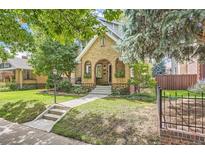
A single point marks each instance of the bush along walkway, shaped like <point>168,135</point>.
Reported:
<point>56,112</point>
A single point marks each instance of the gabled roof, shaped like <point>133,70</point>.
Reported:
<point>105,23</point>
<point>18,63</point>
<point>114,34</point>
<point>90,43</point>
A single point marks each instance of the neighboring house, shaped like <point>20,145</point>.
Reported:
<point>99,62</point>
<point>190,67</point>
<point>19,71</point>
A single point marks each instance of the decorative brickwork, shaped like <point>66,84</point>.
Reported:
<point>171,136</point>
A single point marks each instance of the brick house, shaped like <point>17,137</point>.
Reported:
<point>99,62</point>
<point>19,71</point>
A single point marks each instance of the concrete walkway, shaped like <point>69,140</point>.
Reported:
<point>83,100</point>
<point>12,133</point>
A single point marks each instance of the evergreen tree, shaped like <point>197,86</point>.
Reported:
<point>158,68</point>
<point>160,33</point>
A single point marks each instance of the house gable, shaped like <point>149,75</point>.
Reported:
<point>97,51</point>
<point>93,41</point>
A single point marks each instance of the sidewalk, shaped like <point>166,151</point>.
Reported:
<point>13,133</point>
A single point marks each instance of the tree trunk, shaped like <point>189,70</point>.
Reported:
<point>138,90</point>
<point>68,75</point>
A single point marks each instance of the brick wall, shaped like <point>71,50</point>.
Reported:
<point>97,53</point>
<point>171,136</point>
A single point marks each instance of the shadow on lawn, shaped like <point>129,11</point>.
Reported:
<point>97,129</point>
<point>21,111</point>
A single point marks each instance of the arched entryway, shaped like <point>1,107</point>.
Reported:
<point>103,72</point>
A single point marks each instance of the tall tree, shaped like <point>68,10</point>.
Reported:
<point>52,54</point>
<point>160,33</point>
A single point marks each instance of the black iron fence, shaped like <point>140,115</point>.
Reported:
<point>182,112</point>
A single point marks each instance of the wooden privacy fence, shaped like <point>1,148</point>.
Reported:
<point>176,82</point>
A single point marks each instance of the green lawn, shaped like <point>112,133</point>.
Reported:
<point>179,93</point>
<point>23,106</point>
<point>111,121</point>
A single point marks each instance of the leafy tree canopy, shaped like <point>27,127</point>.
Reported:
<point>52,54</point>
<point>59,25</point>
<point>159,33</point>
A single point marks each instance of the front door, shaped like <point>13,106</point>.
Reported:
<point>103,73</point>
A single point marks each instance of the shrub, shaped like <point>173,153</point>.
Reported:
<point>80,90</point>
<point>29,87</point>
<point>146,97</point>
<point>64,86</point>
<point>120,91</point>
<point>12,86</point>
<point>142,76</point>
<point>4,89</point>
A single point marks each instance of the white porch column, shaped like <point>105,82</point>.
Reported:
<point>21,78</point>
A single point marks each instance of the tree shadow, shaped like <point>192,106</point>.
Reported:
<point>97,129</point>
<point>21,111</point>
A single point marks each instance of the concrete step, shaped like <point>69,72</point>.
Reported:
<point>56,111</point>
<point>61,107</point>
<point>103,93</point>
<point>49,116</point>
<point>101,90</point>
<point>42,124</point>
<point>103,86</point>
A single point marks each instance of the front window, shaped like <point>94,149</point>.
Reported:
<point>27,75</point>
<point>87,69</point>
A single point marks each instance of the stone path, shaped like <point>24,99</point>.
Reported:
<point>13,133</point>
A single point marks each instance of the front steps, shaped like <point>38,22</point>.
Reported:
<point>46,120</point>
<point>102,90</point>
